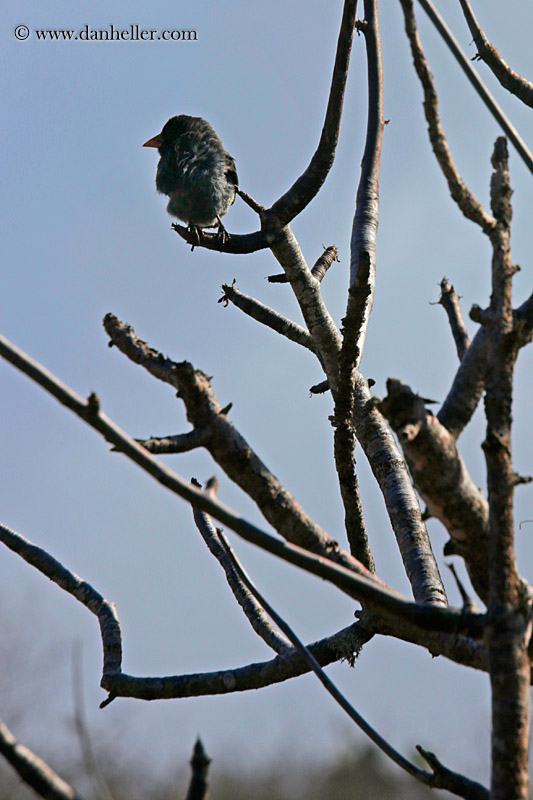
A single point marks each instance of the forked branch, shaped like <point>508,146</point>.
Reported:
<point>509,79</point>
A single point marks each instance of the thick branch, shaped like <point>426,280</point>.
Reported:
<point>403,508</point>
<point>442,479</point>
<point>508,608</point>
<point>509,79</point>
<point>253,676</point>
<point>307,292</point>
<point>237,243</point>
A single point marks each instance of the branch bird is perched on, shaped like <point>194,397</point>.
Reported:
<point>196,173</point>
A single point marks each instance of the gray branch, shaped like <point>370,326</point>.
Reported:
<point>253,611</point>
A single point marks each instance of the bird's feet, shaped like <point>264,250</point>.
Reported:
<point>196,233</point>
<point>222,234</point>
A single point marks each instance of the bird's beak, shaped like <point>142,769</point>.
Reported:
<point>155,141</point>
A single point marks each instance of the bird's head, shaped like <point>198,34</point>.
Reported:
<point>170,132</point>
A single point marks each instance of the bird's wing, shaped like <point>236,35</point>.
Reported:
<point>231,170</point>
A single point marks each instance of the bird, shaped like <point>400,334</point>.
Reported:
<point>195,172</point>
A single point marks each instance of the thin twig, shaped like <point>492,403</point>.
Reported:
<point>176,443</point>
<point>267,316</point>
<point>449,300</point>
<point>253,611</point>
<point>249,200</point>
<point>467,202</point>
<point>522,149</point>
<point>308,184</point>
<point>318,270</point>
<point>509,79</point>
<point>33,770</point>
<point>468,603</point>
<point>90,761</point>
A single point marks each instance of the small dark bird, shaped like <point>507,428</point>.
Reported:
<point>196,173</point>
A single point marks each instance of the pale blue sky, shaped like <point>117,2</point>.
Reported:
<point>85,233</point>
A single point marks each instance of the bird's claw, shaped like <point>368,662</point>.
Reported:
<point>222,234</point>
<point>196,232</point>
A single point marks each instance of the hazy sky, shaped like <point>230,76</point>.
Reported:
<point>85,233</point>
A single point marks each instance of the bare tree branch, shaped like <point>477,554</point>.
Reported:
<point>308,184</point>
<point>443,778</point>
<point>468,603</point>
<point>449,300</point>
<point>508,608</point>
<point>403,508</point>
<point>198,787</point>
<point>447,779</point>
<point>371,431</point>
<point>509,79</point>
<point>304,189</point>
<point>467,202</point>
<point>236,243</point>
<point>78,588</point>
<point>307,292</point>
<point>360,294</point>
<point>176,443</point>
<point>442,479</point>
<point>267,316</point>
<point>341,645</point>
<point>477,83</point>
<point>344,437</point>
<point>469,383</point>
<point>223,441</point>
<point>366,217</point>
<point>253,611</point>
<point>318,270</point>
<point>33,770</point>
